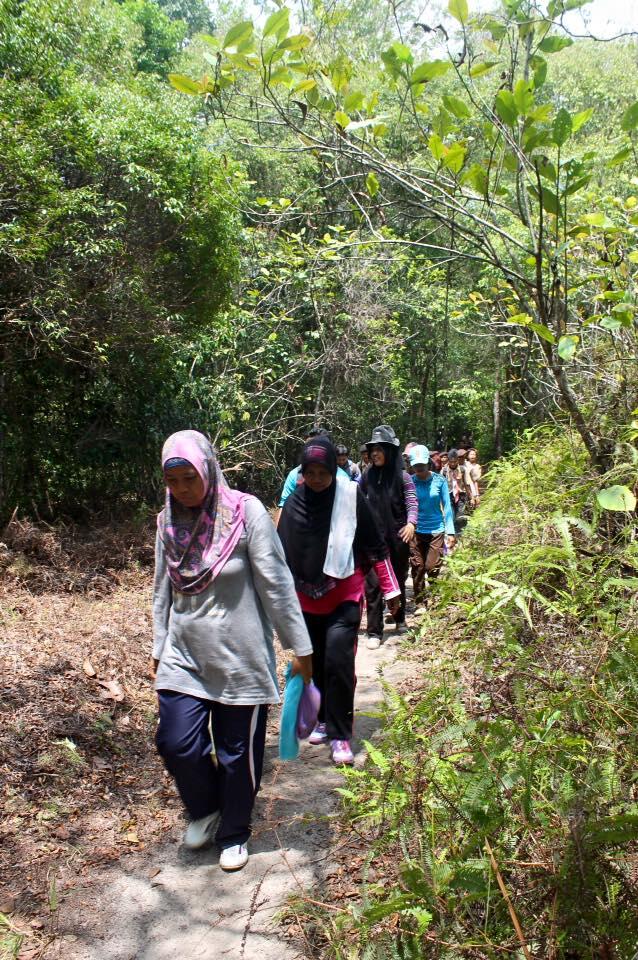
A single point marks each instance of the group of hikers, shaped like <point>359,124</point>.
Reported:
<point>227,577</point>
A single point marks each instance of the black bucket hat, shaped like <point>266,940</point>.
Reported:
<point>384,434</point>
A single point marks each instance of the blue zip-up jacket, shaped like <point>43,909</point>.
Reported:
<point>435,507</point>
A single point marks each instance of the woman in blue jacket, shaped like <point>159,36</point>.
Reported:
<point>435,520</point>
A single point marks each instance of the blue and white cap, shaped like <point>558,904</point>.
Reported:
<point>419,454</point>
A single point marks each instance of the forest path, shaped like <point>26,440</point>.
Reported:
<point>179,904</point>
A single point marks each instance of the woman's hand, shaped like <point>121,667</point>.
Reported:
<point>450,541</point>
<point>152,667</point>
<point>407,532</point>
<point>303,665</point>
<point>393,605</point>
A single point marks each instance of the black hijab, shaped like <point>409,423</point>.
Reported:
<point>304,526</point>
<point>383,486</point>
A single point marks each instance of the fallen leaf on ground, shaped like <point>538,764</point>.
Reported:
<point>88,668</point>
<point>7,903</point>
<point>112,690</point>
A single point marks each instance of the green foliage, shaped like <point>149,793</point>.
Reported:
<point>522,735</point>
<point>515,141</point>
<point>117,241</point>
<point>161,36</point>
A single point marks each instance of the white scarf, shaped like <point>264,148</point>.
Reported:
<point>339,562</point>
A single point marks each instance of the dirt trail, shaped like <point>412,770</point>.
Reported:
<point>174,903</point>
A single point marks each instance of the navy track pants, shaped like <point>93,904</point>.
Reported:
<point>228,781</point>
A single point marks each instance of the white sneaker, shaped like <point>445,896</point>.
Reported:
<point>200,832</point>
<point>318,735</point>
<point>373,642</point>
<point>234,858</point>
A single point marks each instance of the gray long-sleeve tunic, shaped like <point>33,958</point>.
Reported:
<point>218,644</point>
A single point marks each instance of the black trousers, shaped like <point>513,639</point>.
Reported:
<point>460,514</point>
<point>334,644</point>
<point>400,560</point>
<point>228,785</point>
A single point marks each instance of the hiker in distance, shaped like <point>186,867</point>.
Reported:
<point>390,492</point>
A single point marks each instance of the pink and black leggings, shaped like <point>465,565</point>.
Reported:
<point>334,644</point>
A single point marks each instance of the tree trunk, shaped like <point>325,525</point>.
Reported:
<point>498,425</point>
<point>599,456</point>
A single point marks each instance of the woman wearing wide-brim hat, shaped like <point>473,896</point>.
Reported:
<point>392,495</point>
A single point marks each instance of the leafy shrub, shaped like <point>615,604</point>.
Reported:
<point>502,802</point>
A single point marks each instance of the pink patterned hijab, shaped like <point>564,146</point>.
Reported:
<point>199,540</point>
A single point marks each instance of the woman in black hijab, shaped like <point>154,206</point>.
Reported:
<point>331,538</point>
<point>391,493</point>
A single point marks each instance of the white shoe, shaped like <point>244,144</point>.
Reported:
<point>373,642</point>
<point>234,858</point>
<point>200,832</point>
<point>318,735</point>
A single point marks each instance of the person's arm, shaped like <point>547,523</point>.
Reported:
<point>412,508</point>
<point>273,582</point>
<point>289,487</point>
<point>448,513</point>
<point>162,602</point>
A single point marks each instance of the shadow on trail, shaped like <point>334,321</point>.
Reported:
<point>177,903</point>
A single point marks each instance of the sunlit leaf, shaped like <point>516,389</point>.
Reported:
<point>456,106</point>
<point>237,34</point>
<point>436,146</point>
<point>458,9</point>
<point>304,85</point>
<point>623,154</point>
<point>562,129</point>
<point>185,84</point>
<point>618,498</point>
<point>524,97</point>
<point>277,22</point>
<point>543,332</point>
<point>297,42</point>
<point>567,347</point>
<point>454,157</point>
<point>630,117</point>
<point>477,178</point>
<point>428,71</point>
<point>539,66</point>
<point>505,107</point>
<point>354,101</point>
<point>580,119</point>
<point>480,68</point>
<point>372,184</point>
<point>554,43</point>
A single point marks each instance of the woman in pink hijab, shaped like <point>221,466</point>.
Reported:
<point>221,585</point>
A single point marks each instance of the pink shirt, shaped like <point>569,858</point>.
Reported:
<point>351,590</point>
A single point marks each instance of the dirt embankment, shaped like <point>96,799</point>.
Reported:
<point>80,785</point>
